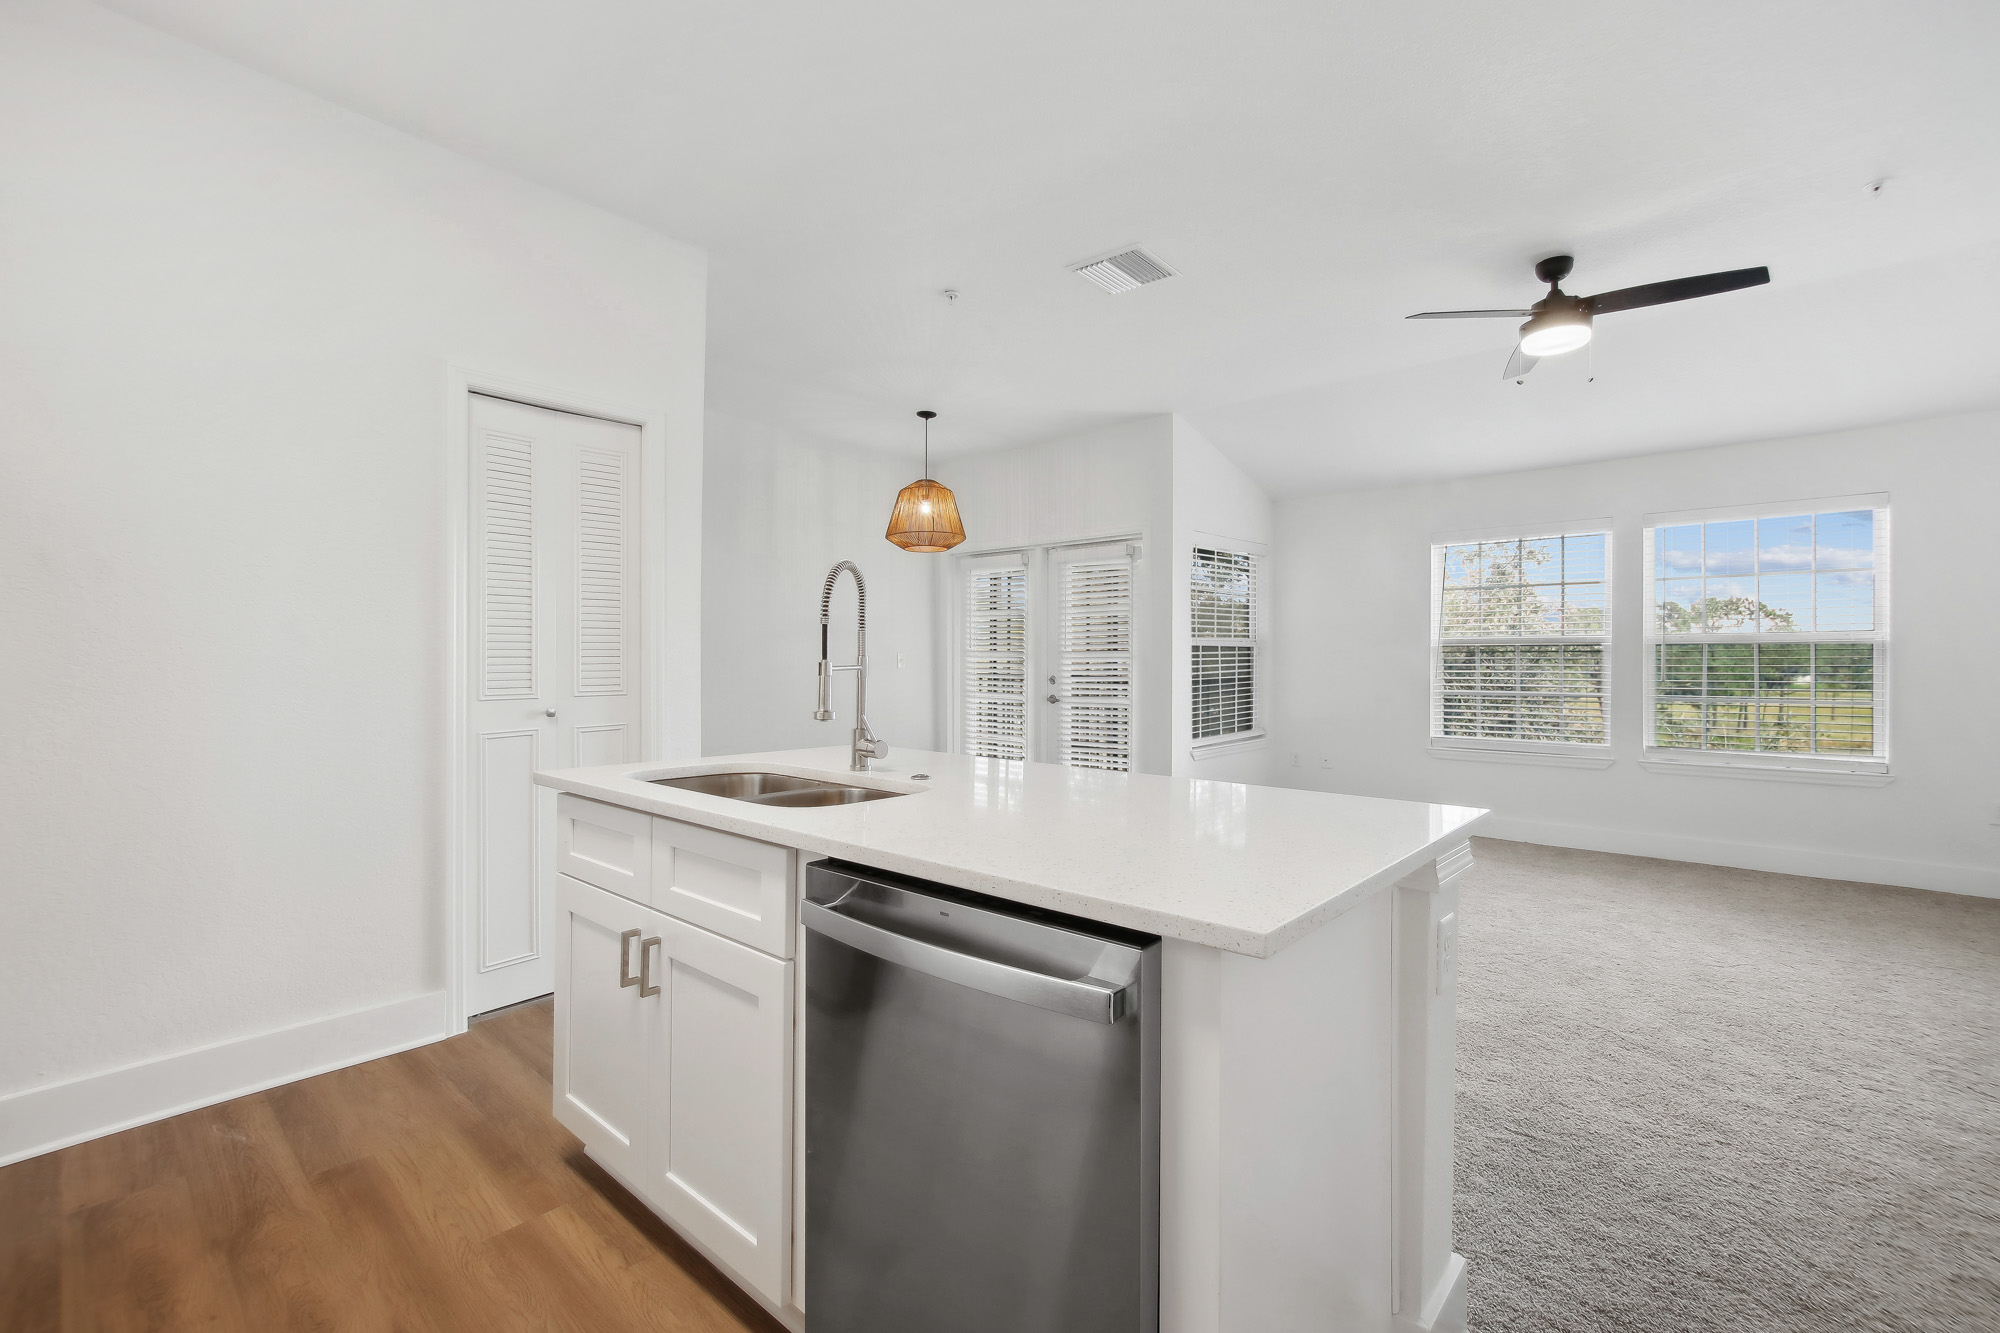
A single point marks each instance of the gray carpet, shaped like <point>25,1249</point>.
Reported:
<point>1699,1099</point>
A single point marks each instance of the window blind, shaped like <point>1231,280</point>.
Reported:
<point>1094,637</point>
<point>1768,634</point>
<point>995,662</point>
<point>1223,611</point>
<point>1521,627</point>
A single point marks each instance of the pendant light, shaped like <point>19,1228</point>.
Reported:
<point>926,514</point>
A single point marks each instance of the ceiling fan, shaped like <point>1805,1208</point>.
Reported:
<point>1560,322</point>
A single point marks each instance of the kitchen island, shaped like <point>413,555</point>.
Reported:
<point>1306,1015</point>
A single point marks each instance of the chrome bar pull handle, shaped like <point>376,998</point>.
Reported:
<point>1099,999</point>
<point>647,987</point>
<point>625,977</point>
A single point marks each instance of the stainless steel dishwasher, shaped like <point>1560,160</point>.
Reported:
<point>982,1114</point>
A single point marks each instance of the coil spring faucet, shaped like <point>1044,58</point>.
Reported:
<point>867,745</point>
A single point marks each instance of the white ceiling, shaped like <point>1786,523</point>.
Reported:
<point>1316,171</point>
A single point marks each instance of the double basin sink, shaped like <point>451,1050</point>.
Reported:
<point>775,789</point>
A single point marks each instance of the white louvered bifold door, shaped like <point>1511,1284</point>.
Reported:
<point>1093,631</point>
<point>603,583</point>
<point>553,644</point>
<point>993,675</point>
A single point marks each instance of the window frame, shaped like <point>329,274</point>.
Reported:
<point>1258,733</point>
<point>1590,753</point>
<point>1770,763</point>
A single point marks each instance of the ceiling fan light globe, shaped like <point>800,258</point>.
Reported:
<point>1555,341</point>
<point>1554,332</point>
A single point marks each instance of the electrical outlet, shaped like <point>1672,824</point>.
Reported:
<point>1325,761</point>
<point>1447,951</point>
<point>1295,759</point>
<point>899,660</point>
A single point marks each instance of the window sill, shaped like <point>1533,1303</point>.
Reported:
<point>1228,745</point>
<point>1547,758</point>
<point>1826,777</point>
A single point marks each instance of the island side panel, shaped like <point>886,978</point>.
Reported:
<point>1190,1138</point>
<point>1430,1295</point>
<point>1306,1138</point>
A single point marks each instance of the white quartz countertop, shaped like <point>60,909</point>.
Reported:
<point>1225,864</point>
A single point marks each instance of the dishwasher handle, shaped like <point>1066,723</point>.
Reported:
<point>1089,998</point>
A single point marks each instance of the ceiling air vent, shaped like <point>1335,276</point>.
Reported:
<point>1124,271</point>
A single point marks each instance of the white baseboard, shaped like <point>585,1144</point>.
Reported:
<point>40,1120</point>
<point>1445,1309</point>
<point>1940,877</point>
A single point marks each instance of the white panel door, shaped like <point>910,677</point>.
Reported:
<point>554,665</point>
<point>720,1157</point>
<point>609,971</point>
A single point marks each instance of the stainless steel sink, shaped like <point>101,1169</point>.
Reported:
<point>775,789</point>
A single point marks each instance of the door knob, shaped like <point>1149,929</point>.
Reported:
<point>549,712</point>
<point>1055,698</point>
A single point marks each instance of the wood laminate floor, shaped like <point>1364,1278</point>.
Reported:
<point>429,1191</point>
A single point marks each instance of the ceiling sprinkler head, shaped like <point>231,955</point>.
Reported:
<point>949,294</point>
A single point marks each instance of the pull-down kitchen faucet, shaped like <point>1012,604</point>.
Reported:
<point>867,745</point>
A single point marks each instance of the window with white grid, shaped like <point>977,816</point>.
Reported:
<point>1768,635</point>
<point>1521,630</point>
<point>1224,620</point>
<point>994,666</point>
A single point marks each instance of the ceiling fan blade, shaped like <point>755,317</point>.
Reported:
<point>1472,314</point>
<point>1519,364</point>
<point>1680,289</point>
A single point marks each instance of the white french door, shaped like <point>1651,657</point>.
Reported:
<point>1046,655</point>
<point>1091,646</point>
<point>993,709</point>
<point>554,665</point>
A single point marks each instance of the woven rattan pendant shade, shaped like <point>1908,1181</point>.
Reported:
<point>926,514</point>
<point>925,518</point>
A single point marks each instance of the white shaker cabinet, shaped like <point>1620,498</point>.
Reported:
<point>675,1071</point>
<point>604,1023</point>
<point>719,1148</point>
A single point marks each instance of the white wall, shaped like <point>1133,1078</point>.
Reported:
<point>1215,501</point>
<point>779,511</point>
<point>1110,482</point>
<point>226,313</point>
<point>1353,650</point>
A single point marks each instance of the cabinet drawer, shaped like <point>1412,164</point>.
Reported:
<point>605,845</point>
<point>737,887</point>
